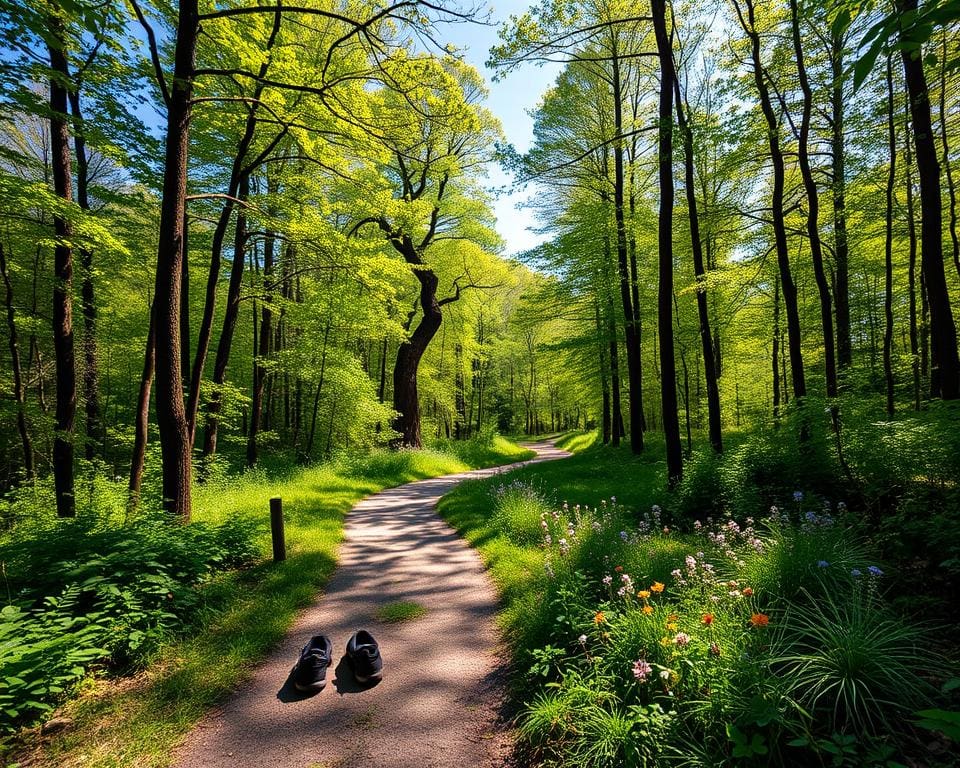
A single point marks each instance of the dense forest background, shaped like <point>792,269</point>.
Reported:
<point>335,190</point>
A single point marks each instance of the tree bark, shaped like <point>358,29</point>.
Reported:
<point>230,315</point>
<point>943,331</point>
<point>947,167</point>
<point>91,385</point>
<point>841,243</point>
<point>813,211</point>
<point>175,435</point>
<point>787,284</point>
<point>406,398</point>
<point>19,395</point>
<point>888,246</point>
<point>262,352</point>
<point>912,262</point>
<point>668,367</point>
<point>631,335</point>
<point>703,309</point>
<point>63,279</point>
<point>142,423</point>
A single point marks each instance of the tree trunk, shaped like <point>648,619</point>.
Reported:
<point>813,212</point>
<point>406,398</point>
<point>615,400</point>
<point>261,353</point>
<point>912,263</point>
<point>230,315</point>
<point>91,386</point>
<point>943,331</point>
<point>776,349</point>
<point>951,188</point>
<point>839,187</point>
<point>63,280</point>
<point>19,395</point>
<point>142,423</point>
<point>787,284</point>
<point>604,382</point>
<point>175,434</point>
<point>888,247</point>
<point>703,310</point>
<point>631,335</point>
<point>668,367</point>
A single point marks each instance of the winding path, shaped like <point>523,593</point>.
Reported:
<point>439,701</point>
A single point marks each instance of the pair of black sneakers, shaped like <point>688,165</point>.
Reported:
<point>363,656</point>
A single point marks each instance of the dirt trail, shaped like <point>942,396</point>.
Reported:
<point>439,700</point>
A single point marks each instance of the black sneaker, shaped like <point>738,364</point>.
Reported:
<point>363,655</point>
<point>309,676</point>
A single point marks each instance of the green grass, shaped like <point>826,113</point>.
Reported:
<point>397,613</point>
<point>138,721</point>
<point>593,474</point>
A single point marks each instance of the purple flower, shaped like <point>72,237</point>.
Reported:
<point>856,572</point>
<point>608,580</point>
<point>822,564</point>
<point>874,571</point>
<point>798,496</point>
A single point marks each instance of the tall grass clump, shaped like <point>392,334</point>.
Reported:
<point>766,641</point>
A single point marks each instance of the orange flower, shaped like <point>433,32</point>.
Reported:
<point>643,594</point>
<point>647,609</point>
<point>707,619</point>
<point>759,619</point>
<point>619,569</point>
<point>598,617</point>
<point>747,591</point>
<point>673,617</point>
<point>656,587</point>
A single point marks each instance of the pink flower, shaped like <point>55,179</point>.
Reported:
<point>681,639</point>
<point>641,670</point>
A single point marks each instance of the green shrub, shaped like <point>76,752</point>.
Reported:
<point>82,592</point>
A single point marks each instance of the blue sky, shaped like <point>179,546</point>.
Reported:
<point>509,100</point>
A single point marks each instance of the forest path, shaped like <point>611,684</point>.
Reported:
<point>439,701</point>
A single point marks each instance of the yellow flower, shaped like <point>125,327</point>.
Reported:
<point>598,618</point>
<point>656,587</point>
<point>672,626</point>
<point>647,609</point>
<point>643,594</point>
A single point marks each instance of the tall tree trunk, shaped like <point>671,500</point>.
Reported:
<point>316,397</point>
<point>616,413</point>
<point>787,284</point>
<point>841,244</point>
<point>631,334</point>
<point>63,279</point>
<point>604,380</point>
<point>668,367</point>
<point>261,353</point>
<point>912,263</point>
<point>703,309</point>
<point>813,212</point>
<point>19,394</point>
<point>91,386</point>
<point>951,188</point>
<point>142,423</point>
<point>888,246</point>
<point>230,315</point>
<point>943,331</point>
<point>239,172</point>
<point>175,434</point>
<point>776,349</point>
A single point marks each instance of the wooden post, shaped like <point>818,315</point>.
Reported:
<point>276,529</point>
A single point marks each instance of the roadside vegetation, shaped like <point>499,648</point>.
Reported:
<point>758,615</point>
<point>140,625</point>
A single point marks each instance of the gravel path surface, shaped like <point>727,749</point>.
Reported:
<point>439,700</point>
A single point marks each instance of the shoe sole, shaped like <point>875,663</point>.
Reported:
<point>378,676</point>
<point>312,688</point>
